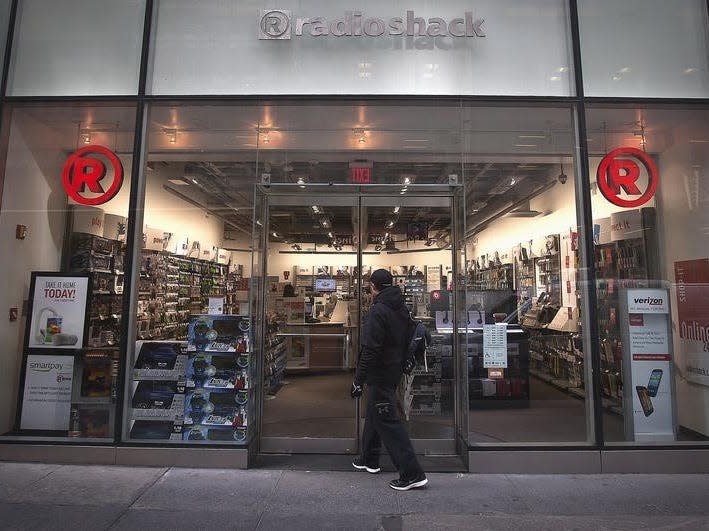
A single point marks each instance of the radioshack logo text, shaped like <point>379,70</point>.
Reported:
<point>279,24</point>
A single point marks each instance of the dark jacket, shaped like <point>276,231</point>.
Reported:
<point>384,340</point>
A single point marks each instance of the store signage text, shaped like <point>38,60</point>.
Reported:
<point>278,24</point>
<point>619,172</point>
<point>85,170</point>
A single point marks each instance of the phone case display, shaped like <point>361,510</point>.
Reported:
<point>194,390</point>
<point>548,270</point>
<point>526,283</point>
<point>103,258</point>
<point>493,277</point>
<point>172,287</point>
<point>510,386</point>
<point>413,287</point>
<point>276,351</point>
<point>558,359</point>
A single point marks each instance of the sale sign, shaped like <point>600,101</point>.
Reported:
<point>692,292</point>
<point>58,311</point>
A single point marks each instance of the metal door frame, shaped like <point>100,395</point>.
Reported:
<point>352,196</point>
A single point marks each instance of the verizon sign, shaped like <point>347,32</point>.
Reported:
<point>278,24</point>
<point>648,301</point>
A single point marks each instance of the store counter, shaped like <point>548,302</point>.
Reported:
<point>318,346</point>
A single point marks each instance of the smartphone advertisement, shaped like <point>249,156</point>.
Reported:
<point>649,356</point>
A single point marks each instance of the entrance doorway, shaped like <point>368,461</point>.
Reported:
<point>319,247</point>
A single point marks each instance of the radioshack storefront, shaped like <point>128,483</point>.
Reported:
<point>194,197</point>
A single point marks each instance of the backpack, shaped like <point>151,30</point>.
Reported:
<point>419,340</point>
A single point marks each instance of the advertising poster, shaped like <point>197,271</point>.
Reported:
<point>46,401</point>
<point>58,311</point>
<point>650,362</point>
<point>692,292</point>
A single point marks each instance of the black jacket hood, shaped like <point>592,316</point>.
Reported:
<point>391,296</point>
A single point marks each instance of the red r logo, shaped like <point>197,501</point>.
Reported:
<point>617,175</point>
<point>82,171</point>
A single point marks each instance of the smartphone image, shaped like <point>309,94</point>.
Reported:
<point>645,401</point>
<point>654,383</point>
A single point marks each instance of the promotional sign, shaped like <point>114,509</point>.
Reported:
<point>495,346</point>
<point>46,401</point>
<point>57,317</point>
<point>692,292</point>
<point>626,225</point>
<point>648,389</point>
<point>619,177</point>
<point>86,168</point>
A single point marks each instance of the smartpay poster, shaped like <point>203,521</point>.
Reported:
<point>46,400</point>
<point>58,311</point>
<point>692,292</point>
<point>650,361</point>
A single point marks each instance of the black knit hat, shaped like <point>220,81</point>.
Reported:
<point>381,279</point>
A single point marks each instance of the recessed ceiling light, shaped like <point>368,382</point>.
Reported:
<point>178,182</point>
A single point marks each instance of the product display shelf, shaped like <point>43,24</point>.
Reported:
<point>172,287</point>
<point>275,359</point>
<point>196,391</point>
<point>511,389</point>
<point>548,271</point>
<point>496,277</point>
<point>423,390</point>
<point>103,258</point>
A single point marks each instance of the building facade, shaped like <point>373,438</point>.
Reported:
<point>194,194</point>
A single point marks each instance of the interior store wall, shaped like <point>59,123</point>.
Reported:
<point>170,213</point>
<point>32,196</point>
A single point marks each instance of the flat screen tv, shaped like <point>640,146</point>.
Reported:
<point>324,285</point>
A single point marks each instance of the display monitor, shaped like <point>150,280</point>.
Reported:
<point>324,285</point>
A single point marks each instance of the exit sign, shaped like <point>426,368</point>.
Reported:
<point>361,175</point>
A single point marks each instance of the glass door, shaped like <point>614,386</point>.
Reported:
<point>412,237</point>
<point>310,330</point>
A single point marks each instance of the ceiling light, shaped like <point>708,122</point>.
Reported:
<point>526,145</point>
<point>513,181</point>
<point>532,136</point>
<point>396,210</point>
<point>259,223</point>
<point>275,234</point>
<point>195,181</point>
<point>407,180</point>
<point>390,224</point>
<point>178,182</point>
<point>316,209</point>
<point>386,236</point>
<point>555,78</point>
<point>296,247</point>
<point>330,235</point>
<point>688,71</point>
<point>301,182</point>
<point>326,223</point>
<point>171,135</point>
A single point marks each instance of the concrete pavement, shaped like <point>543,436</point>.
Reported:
<point>42,496</point>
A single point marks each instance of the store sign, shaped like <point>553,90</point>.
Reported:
<point>619,174</point>
<point>279,24</point>
<point>495,346</point>
<point>84,173</point>
<point>692,292</point>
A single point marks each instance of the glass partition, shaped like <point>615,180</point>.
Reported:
<point>72,48</point>
<point>65,206</point>
<point>649,182</point>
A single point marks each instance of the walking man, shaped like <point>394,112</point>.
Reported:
<point>385,339</point>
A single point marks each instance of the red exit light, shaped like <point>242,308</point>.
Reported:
<point>361,175</point>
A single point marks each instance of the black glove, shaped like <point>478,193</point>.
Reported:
<point>355,390</point>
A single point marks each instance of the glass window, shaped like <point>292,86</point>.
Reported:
<point>71,48</point>
<point>650,179</point>
<point>64,208</point>
<point>645,48</point>
<point>4,16</point>
<point>310,47</point>
<point>529,383</point>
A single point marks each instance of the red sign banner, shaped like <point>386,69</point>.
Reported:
<point>83,169</point>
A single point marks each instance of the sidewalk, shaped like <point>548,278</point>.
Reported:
<point>39,496</point>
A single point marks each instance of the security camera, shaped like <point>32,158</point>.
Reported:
<point>562,178</point>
